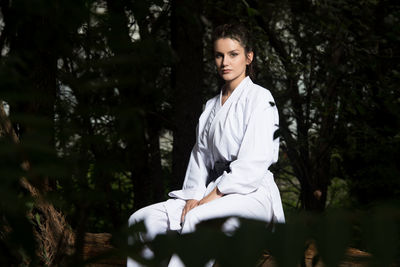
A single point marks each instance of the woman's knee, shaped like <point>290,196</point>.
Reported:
<point>150,214</point>
<point>132,219</point>
<point>137,216</point>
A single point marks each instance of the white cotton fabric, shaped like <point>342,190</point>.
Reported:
<point>158,219</point>
<point>240,131</point>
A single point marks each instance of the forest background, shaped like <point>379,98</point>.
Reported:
<point>104,98</point>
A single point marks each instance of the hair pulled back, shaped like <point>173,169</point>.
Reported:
<point>241,34</point>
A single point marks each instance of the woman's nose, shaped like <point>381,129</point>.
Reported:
<point>224,61</point>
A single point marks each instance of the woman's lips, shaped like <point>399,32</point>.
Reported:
<point>226,71</point>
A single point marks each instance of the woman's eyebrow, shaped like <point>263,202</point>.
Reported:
<point>234,50</point>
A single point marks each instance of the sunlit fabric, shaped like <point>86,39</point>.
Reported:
<point>241,131</point>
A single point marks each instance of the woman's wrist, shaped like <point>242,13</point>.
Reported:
<point>219,193</point>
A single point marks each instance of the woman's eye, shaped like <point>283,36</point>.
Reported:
<point>218,56</point>
<point>234,54</point>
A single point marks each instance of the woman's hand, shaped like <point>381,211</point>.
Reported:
<point>190,204</point>
<point>215,194</point>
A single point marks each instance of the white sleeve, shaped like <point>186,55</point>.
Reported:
<point>258,150</point>
<point>196,174</point>
<point>194,184</point>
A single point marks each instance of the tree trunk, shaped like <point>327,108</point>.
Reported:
<point>153,126</point>
<point>187,81</point>
<point>143,135</point>
<point>36,61</point>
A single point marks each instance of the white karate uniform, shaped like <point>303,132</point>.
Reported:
<point>240,131</point>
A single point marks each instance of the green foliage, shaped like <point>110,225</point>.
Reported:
<point>286,243</point>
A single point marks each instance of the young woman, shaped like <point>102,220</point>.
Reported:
<point>227,174</point>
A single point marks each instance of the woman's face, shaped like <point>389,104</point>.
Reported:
<point>231,60</point>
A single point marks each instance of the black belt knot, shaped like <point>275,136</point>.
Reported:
<point>218,170</point>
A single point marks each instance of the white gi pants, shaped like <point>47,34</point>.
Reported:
<point>158,220</point>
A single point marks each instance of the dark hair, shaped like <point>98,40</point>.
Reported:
<point>241,34</point>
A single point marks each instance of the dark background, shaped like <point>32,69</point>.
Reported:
<point>104,97</point>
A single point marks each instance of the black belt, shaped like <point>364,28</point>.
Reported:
<point>218,170</point>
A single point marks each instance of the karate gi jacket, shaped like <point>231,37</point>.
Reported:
<point>240,131</point>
